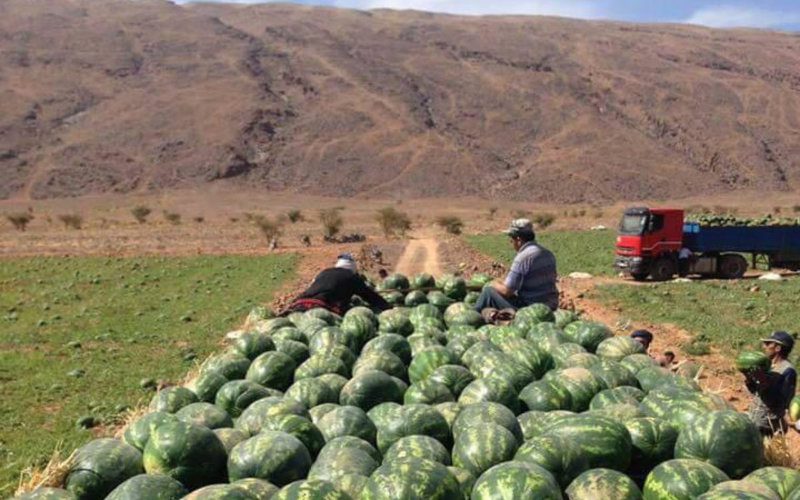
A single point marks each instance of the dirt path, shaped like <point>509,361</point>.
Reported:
<point>421,255</point>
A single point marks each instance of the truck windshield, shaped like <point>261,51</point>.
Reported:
<point>633,224</point>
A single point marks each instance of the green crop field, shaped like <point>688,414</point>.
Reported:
<point>77,336</point>
<point>583,251</point>
<point>725,314</point>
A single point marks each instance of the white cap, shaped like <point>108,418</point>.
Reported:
<point>346,262</point>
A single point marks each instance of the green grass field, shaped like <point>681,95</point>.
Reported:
<point>584,251</point>
<point>79,334</point>
<point>725,314</point>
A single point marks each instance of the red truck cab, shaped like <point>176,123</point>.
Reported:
<point>648,242</point>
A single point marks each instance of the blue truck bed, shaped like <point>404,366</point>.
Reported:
<point>756,239</point>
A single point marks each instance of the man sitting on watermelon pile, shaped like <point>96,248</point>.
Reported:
<point>772,389</point>
<point>531,279</point>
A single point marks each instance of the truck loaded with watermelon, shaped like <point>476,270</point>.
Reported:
<point>425,401</point>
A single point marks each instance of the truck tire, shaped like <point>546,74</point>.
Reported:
<point>731,266</point>
<point>663,269</point>
<point>639,276</point>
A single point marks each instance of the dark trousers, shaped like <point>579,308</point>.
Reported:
<point>491,298</point>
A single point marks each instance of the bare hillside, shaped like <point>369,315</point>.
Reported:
<point>123,96</point>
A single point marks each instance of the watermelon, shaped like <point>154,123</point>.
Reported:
<point>320,411</point>
<point>545,396</point>
<point>440,300</point>
<point>394,298</point>
<point>614,374</point>
<point>191,454</point>
<point>334,381</point>
<point>421,342</point>
<point>558,455</point>
<point>383,361</point>
<point>525,353</point>
<point>296,350</point>
<point>471,298</point>
<point>334,463</point>
<point>252,419</point>
<point>681,478</point>
<point>172,399</point>
<point>603,483</point>
<point>230,365</point>
<point>274,456</point>
<point>481,413</point>
<point>325,315</point>
<point>588,334</point>
<point>100,466</point>
<point>604,442</point>
<point>621,412</point>
<point>272,369</point>
<point>147,487</point>
<point>465,479</point>
<point>453,287</point>
<point>219,491</point>
<point>396,344</point>
<point>412,420</point>
<point>349,443</point>
<point>635,362</point>
<point>319,364</point>
<point>253,344</point>
<point>257,488</point>
<point>331,336</point>
<point>46,493</point>
<point>360,327</point>
<point>479,280</point>
<point>737,490</point>
<point>339,351</point>
<point>535,313</point>
<point>428,360</point>
<point>533,422</point>
<point>499,335</point>
<point>272,325</point>
<point>582,360</point>
<point>236,395</point>
<point>361,311</point>
<point>396,281</point>
<point>370,388</point>
<point>651,377</point>
<point>393,321</point>
<point>493,389</point>
<point>546,336</point>
<point>726,439</point>
<point>299,427</point>
<point>562,352</point>
<point>468,317</point>
<point>206,385</point>
<point>417,447</point>
<point>581,384</point>
<point>617,395</point>
<point>653,442</point>
<point>563,317</point>
<point>428,392</point>
<point>617,348</point>
<point>454,377</point>
<point>290,333</point>
<point>513,480</point>
<point>449,411</point>
<point>138,433</point>
<point>459,345</point>
<point>310,488</point>
<point>347,421</point>
<point>230,437</point>
<point>781,480</point>
<point>415,298</point>
<point>312,392</point>
<point>411,478</point>
<point>679,405</point>
<point>477,448</point>
<point>748,361</point>
<point>423,280</point>
<point>205,414</point>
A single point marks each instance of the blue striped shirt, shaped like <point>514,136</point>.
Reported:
<point>533,275</point>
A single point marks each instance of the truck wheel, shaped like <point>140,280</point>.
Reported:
<point>663,269</point>
<point>639,276</point>
<point>731,267</point>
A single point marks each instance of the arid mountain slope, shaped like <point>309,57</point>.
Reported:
<point>122,96</point>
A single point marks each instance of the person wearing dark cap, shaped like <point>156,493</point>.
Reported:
<point>645,338</point>
<point>531,279</point>
<point>773,391</point>
<point>333,288</point>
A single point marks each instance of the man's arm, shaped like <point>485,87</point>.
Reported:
<point>371,296</point>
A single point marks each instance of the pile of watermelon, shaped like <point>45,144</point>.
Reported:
<point>425,401</point>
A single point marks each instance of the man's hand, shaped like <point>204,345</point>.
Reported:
<point>502,289</point>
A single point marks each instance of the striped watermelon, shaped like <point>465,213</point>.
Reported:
<point>581,384</point>
<point>191,454</point>
<point>312,392</point>
<point>206,385</point>
<point>252,419</point>
<point>736,490</point>
<point>653,442</point>
<point>614,374</point>
<point>396,344</point>
<point>454,377</point>
<point>603,441</point>
<point>563,317</point>
<point>348,443</point>
<point>102,465</point>
<point>236,395</point>
<point>621,412</point>
<point>320,364</point>
<point>420,342</point>
<point>417,447</point>
<point>138,433</point>
<point>562,352</point>
<point>308,489</point>
<point>558,455</point>
<point>218,491</point>
<point>290,333</point>
<point>603,483</point>
<point>230,437</point>
<point>581,359</point>
<point>781,480</point>
<point>415,298</point>
<point>478,414</point>
<point>383,361</point>
<point>296,350</point>
<point>617,395</point>
<point>478,448</point>
<point>726,439</point>
<point>411,478</point>
<point>752,360</point>
<point>617,348</point>
<point>412,420</point>
<point>449,411</point>
<point>205,414</point>
<point>429,360</point>
<point>533,423</point>
<point>635,362</point>
<point>272,369</point>
<point>257,488</point>
<point>330,336</point>
<point>230,365</point>
<point>528,355</point>
<point>370,388</point>
<point>253,344</point>
<point>428,392</point>
<point>681,478</point>
<point>333,464</point>
<point>274,456</point>
<point>172,399</point>
<point>347,421</point>
<point>545,395</point>
<point>514,480</point>
<point>588,334</point>
<point>299,427</point>
<point>493,389</point>
<point>148,486</point>
<point>394,321</point>
<point>466,480</point>
<point>320,411</point>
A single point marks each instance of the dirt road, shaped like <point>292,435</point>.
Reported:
<point>421,255</point>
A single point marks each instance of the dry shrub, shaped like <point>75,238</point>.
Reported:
<point>271,229</point>
<point>544,220</point>
<point>393,222</point>
<point>332,221</point>
<point>20,220</point>
<point>53,475</point>
<point>71,221</point>
<point>140,213</point>
<point>295,215</point>
<point>199,220</point>
<point>450,223</point>
<point>172,217</point>
<point>776,451</point>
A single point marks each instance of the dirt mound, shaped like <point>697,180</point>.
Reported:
<point>119,96</point>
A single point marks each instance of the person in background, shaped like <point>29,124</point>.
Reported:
<point>645,338</point>
<point>333,288</point>
<point>773,390</point>
<point>684,260</point>
<point>531,279</point>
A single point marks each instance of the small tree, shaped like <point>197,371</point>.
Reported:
<point>544,220</point>
<point>199,219</point>
<point>172,217</point>
<point>271,229</point>
<point>332,221</point>
<point>450,223</point>
<point>295,215</point>
<point>393,222</point>
<point>73,221</point>
<point>140,213</point>
<point>20,220</point>
<point>492,212</point>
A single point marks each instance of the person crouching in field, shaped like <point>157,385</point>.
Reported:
<point>333,288</point>
<point>773,391</point>
<point>531,279</point>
